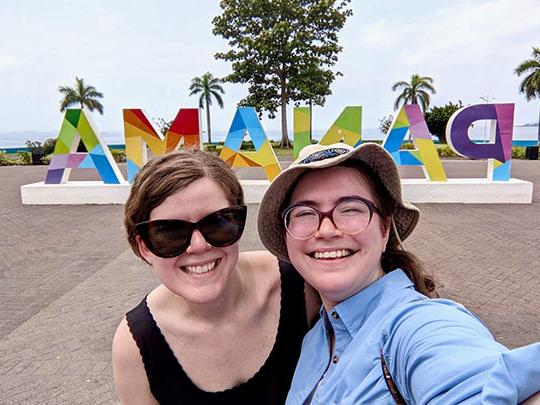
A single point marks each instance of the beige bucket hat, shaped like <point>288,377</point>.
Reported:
<point>270,222</point>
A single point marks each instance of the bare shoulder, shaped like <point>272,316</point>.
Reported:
<point>128,369</point>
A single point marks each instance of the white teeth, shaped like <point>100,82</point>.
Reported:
<point>332,254</point>
<point>201,269</point>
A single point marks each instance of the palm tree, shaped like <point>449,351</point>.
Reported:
<point>415,92</point>
<point>530,86</point>
<point>83,95</point>
<point>209,87</point>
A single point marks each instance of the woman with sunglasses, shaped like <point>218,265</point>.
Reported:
<point>222,327</point>
<point>338,216</point>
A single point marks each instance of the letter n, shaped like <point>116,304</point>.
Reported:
<point>410,119</point>
<point>77,126</point>
<point>246,121</point>
<point>139,133</point>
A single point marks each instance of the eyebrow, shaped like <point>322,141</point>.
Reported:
<point>336,202</point>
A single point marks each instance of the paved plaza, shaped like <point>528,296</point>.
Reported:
<point>67,276</point>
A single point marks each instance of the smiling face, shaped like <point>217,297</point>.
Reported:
<point>336,264</point>
<point>203,272</point>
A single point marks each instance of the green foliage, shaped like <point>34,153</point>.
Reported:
<point>84,96</point>
<point>45,160</point>
<point>518,152</point>
<point>209,87</point>
<point>437,118</point>
<point>385,122</point>
<point>408,145</point>
<point>214,148</point>
<point>24,158</point>
<point>21,158</point>
<point>446,152</point>
<point>283,49</point>
<point>46,148</point>
<point>119,155</point>
<point>530,86</point>
<point>5,160</point>
<point>35,146</point>
<point>247,146</point>
<point>163,125</point>
<point>415,92</point>
<point>49,145</point>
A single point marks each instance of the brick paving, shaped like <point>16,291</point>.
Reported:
<point>67,277</point>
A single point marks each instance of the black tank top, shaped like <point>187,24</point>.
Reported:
<point>170,384</point>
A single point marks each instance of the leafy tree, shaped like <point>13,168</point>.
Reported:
<point>530,86</point>
<point>415,92</point>
<point>208,87</point>
<point>85,96</point>
<point>283,49</point>
<point>385,122</point>
<point>438,117</point>
<point>163,125</point>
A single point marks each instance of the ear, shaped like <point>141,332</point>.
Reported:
<point>143,250</point>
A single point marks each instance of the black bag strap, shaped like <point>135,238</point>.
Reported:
<point>392,387</point>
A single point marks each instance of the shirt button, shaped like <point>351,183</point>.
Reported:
<point>335,315</point>
<point>335,359</point>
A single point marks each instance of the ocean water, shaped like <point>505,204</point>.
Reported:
<point>17,139</point>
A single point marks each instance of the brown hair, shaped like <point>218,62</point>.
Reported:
<point>394,257</point>
<point>163,176</point>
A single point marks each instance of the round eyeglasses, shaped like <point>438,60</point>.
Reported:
<point>351,215</point>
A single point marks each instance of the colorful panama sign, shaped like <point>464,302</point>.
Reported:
<point>140,134</point>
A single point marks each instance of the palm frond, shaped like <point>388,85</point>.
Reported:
<point>530,85</point>
<point>399,84</point>
<point>218,98</point>
<point>81,94</point>
<point>400,100</point>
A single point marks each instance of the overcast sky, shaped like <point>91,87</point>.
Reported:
<point>143,54</point>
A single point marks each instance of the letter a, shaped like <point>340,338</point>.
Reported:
<point>77,126</point>
<point>410,119</point>
<point>246,120</point>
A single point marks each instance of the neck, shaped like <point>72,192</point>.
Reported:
<point>329,303</point>
<point>218,310</point>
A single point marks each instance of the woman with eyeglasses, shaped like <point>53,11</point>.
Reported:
<point>383,337</point>
<point>222,327</point>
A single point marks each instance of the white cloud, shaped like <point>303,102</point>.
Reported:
<point>9,62</point>
<point>461,30</point>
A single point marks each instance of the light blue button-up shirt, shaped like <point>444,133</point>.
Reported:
<point>435,349</point>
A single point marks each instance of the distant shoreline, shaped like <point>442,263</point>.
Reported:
<point>17,139</point>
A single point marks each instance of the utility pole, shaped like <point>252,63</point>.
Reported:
<point>487,98</point>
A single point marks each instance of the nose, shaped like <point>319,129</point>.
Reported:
<point>327,229</point>
<point>197,244</point>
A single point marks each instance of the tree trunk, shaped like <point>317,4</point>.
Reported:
<point>310,121</point>
<point>208,121</point>
<point>285,142</point>
<point>539,127</point>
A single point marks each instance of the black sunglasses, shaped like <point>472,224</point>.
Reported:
<point>171,237</point>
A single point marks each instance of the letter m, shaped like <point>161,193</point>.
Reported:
<point>140,133</point>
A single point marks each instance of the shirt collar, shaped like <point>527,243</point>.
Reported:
<point>356,309</point>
